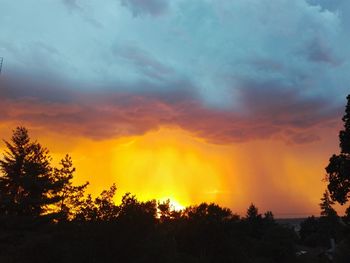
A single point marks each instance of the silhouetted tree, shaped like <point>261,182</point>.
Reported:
<point>106,208</point>
<point>27,186</point>
<point>71,197</point>
<point>347,215</point>
<point>269,216</point>
<point>269,219</point>
<point>253,222</point>
<point>135,212</point>
<point>338,169</point>
<point>326,206</point>
<point>344,135</point>
<point>102,208</point>
<point>205,230</point>
<point>208,212</point>
<point>167,211</point>
<point>252,213</point>
<point>87,210</point>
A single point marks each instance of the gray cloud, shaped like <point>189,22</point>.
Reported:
<point>146,7</point>
<point>213,47</point>
<point>284,105</point>
<point>327,4</point>
<point>319,52</point>
<point>72,4</point>
<point>144,62</point>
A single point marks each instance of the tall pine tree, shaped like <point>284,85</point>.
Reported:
<point>326,206</point>
<point>27,185</point>
<point>71,196</point>
<point>252,213</point>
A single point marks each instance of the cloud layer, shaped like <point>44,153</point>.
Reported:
<point>225,70</point>
<point>268,111</point>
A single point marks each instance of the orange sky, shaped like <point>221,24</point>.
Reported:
<point>178,99</point>
<point>172,163</point>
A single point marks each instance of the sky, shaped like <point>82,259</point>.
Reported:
<point>195,100</point>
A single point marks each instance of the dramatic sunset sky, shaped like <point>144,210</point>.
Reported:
<point>194,100</point>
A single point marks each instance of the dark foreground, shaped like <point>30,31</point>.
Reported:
<point>200,234</point>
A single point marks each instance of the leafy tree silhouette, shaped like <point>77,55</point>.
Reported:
<point>87,210</point>
<point>338,169</point>
<point>204,231</point>
<point>210,213</point>
<point>135,212</point>
<point>167,212</point>
<point>102,208</point>
<point>106,208</point>
<point>27,186</point>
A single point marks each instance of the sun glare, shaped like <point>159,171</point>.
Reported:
<point>174,204</point>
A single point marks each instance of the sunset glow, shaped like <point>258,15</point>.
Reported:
<point>179,99</point>
<point>171,163</point>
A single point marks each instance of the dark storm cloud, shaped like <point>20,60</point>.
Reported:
<point>270,111</point>
<point>43,87</point>
<point>283,104</point>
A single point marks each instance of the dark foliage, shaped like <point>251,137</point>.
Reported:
<point>344,135</point>
<point>338,169</point>
<point>71,197</point>
<point>346,217</point>
<point>204,233</point>
<point>338,175</point>
<point>100,209</point>
<point>317,232</point>
<point>27,185</point>
<point>326,206</point>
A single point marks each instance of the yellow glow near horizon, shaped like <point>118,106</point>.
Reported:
<point>171,163</point>
<point>164,164</point>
